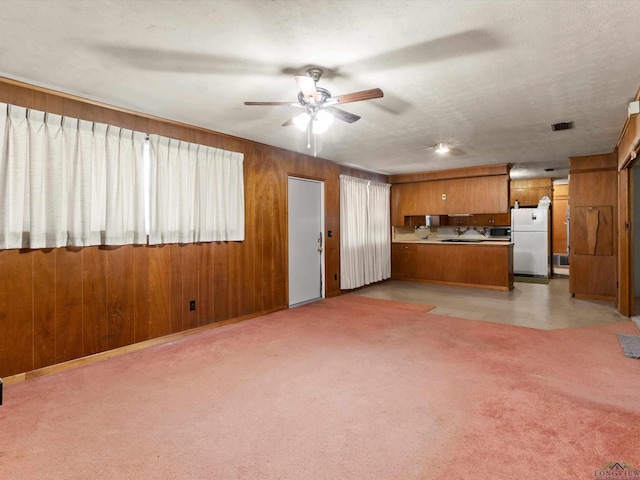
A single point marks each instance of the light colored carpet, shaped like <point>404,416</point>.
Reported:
<point>345,388</point>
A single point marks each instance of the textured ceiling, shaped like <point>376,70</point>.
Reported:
<point>489,77</point>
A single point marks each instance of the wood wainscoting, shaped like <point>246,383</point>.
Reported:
<point>66,303</point>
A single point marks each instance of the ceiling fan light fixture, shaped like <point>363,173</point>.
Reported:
<point>442,148</point>
<point>322,121</point>
<point>301,121</point>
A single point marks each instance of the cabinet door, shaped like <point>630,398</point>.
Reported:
<point>402,260</point>
<point>501,220</point>
<point>434,203</point>
<point>478,194</point>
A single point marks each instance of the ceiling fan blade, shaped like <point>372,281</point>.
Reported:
<point>307,86</point>
<point>359,96</point>
<point>284,104</point>
<point>342,115</point>
<point>289,122</point>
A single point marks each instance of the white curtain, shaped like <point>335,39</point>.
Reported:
<point>196,193</point>
<point>365,244</point>
<point>379,233</point>
<point>65,181</point>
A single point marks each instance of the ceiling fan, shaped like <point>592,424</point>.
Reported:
<point>319,106</point>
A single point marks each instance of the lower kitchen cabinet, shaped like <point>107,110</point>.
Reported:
<point>402,255</point>
<point>471,265</point>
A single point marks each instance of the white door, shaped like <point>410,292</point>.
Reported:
<point>306,242</point>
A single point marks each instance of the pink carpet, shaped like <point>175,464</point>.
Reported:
<point>346,388</point>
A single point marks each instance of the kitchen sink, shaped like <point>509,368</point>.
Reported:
<point>460,240</point>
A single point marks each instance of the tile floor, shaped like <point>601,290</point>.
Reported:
<point>545,307</point>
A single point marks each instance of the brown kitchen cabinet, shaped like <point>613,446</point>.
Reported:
<point>497,220</point>
<point>529,192</point>
<point>477,195</point>
<point>403,255</point>
<point>478,220</point>
<point>482,265</point>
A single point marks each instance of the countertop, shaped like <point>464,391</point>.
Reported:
<point>475,242</point>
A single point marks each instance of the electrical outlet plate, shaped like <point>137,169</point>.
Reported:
<point>192,305</point>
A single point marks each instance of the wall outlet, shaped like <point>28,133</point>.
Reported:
<point>192,305</point>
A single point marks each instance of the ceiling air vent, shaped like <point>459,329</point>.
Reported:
<point>562,126</point>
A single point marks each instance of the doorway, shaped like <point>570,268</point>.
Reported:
<point>306,240</point>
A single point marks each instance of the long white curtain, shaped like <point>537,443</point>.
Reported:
<point>365,244</point>
<point>65,181</point>
<point>197,193</point>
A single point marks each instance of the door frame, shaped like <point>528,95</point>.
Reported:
<point>323,283</point>
<point>625,298</point>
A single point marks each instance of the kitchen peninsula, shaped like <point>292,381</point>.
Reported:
<point>472,260</point>
<point>470,263</point>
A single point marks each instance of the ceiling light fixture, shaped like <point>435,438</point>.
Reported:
<point>442,148</point>
<point>320,121</point>
<point>314,121</point>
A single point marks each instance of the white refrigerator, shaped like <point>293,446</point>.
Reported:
<point>530,237</point>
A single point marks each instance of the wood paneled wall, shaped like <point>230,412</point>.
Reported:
<point>593,200</point>
<point>560,204</point>
<point>66,303</point>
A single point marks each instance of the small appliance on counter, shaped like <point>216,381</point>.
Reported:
<point>500,232</point>
<point>530,237</point>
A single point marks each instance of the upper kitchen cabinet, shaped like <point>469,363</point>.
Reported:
<point>477,190</point>
<point>529,192</point>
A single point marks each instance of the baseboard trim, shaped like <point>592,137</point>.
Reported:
<point>116,352</point>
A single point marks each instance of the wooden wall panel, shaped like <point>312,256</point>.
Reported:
<point>160,291</point>
<point>626,299</point>
<point>44,307</point>
<point>221,283</point>
<point>85,300</point>
<point>205,283</point>
<point>141,293</point>
<point>95,326</point>
<point>467,172</point>
<point>120,268</point>
<point>16,311</point>
<point>190,285</point>
<point>176,304</point>
<point>332,227</point>
<point>560,204</point>
<point>593,185</point>
<point>69,305</point>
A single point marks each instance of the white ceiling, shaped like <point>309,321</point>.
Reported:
<point>487,76</point>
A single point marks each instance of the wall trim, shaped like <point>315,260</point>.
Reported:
<point>134,347</point>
